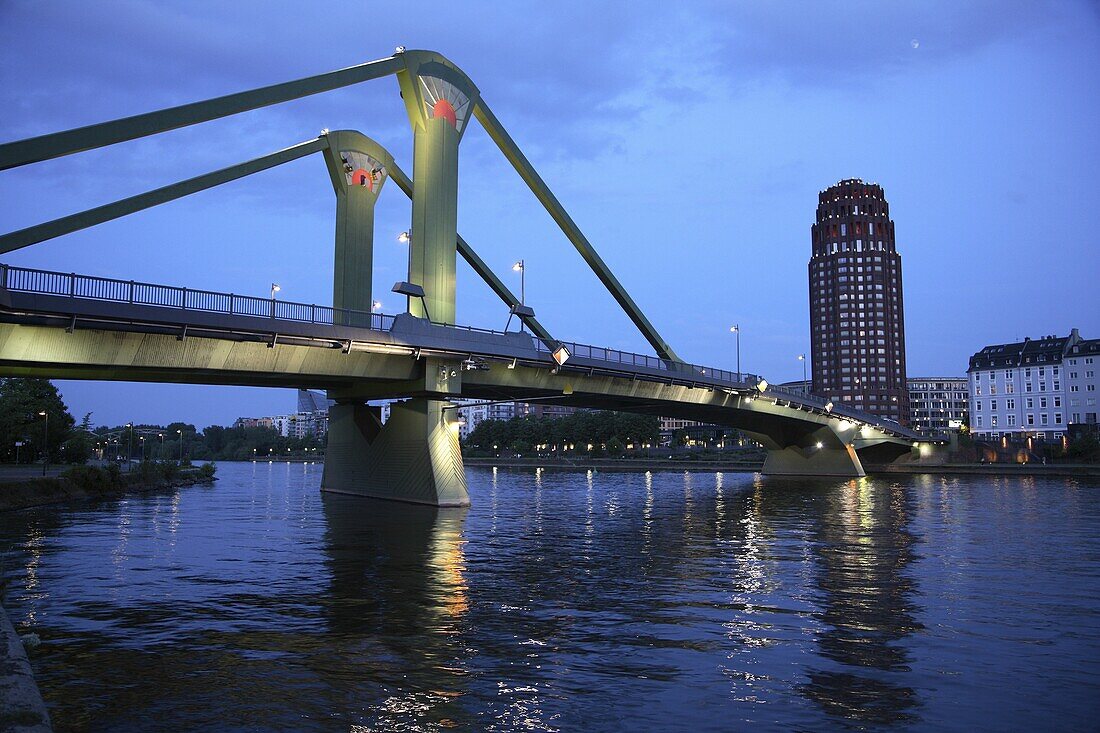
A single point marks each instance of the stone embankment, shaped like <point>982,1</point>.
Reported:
<point>21,707</point>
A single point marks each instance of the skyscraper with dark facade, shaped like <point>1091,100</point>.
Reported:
<point>857,322</point>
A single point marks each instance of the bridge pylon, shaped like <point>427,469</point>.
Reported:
<point>358,167</point>
<point>415,456</point>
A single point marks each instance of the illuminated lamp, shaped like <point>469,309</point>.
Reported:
<point>560,354</point>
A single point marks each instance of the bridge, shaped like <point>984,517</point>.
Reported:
<point>64,325</point>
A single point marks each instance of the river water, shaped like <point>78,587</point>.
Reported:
<point>568,601</point>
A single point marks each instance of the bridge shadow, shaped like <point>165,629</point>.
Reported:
<point>397,607</point>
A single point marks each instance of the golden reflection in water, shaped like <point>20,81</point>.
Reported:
<point>447,560</point>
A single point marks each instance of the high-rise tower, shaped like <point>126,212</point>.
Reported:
<point>857,322</point>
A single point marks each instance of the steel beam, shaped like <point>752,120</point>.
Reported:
<point>133,204</point>
<point>546,197</point>
<point>58,144</point>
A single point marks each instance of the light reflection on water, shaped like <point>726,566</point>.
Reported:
<point>568,601</point>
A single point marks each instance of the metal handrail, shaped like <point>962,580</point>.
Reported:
<point>23,279</point>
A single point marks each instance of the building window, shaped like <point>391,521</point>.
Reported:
<point>1030,419</point>
<point>1011,420</point>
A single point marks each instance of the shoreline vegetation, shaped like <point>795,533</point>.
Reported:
<point>84,483</point>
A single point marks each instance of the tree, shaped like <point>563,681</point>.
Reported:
<point>21,401</point>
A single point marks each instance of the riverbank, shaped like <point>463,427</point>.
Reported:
<point>615,464</point>
<point>664,464</point>
<point>89,483</point>
<point>22,709</point>
<point>990,469</point>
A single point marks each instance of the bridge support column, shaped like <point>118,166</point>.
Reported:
<point>414,457</point>
<point>813,461</point>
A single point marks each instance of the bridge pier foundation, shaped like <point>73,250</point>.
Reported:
<point>812,461</point>
<point>414,457</point>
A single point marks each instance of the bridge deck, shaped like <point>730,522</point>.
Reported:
<point>40,297</point>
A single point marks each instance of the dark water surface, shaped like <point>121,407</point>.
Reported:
<point>568,601</point>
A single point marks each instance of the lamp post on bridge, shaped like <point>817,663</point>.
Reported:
<point>130,447</point>
<point>274,289</point>
<point>736,330</point>
<point>521,268</point>
<point>802,358</point>
<point>180,433</point>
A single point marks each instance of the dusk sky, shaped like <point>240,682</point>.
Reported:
<point>688,140</point>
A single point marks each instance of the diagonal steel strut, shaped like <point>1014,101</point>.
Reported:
<point>107,212</point>
<point>546,197</point>
<point>58,144</point>
<point>483,270</point>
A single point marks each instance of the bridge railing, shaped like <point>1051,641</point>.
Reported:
<point>22,279</point>
<point>28,280</point>
<point>678,369</point>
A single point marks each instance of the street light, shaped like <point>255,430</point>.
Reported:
<point>802,358</point>
<point>45,440</point>
<point>130,447</point>
<point>141,439</point>
<point>411,290</point>
<point>376,306</point>
<point>403,237</point>
<point>274,289</point>
<point>522,270</point>
<point>736,330</point>
<point>180,433</point>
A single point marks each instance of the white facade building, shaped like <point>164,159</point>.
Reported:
<point>1024,390</point>
<point>1082,365</point>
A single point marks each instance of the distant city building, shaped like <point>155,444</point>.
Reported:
<point>669,425</point>
<point>253,422</point>
<point>857,323</point>
<point>937,404</point>
<point>1034,388</point>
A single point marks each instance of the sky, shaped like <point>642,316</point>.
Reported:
<point>688,140</point>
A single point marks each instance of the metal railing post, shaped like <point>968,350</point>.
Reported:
<point>72,284</point>
<point>231,304</point>
<point>183,298</point>
<point>131,291</point>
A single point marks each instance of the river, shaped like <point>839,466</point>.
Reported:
<point>571,601</point>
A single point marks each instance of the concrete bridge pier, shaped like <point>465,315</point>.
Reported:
<point>414,457</point>
<point>820,453</point>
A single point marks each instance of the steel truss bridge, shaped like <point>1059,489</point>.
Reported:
<point>64,325</point>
